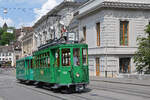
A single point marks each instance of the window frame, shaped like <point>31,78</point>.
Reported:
<point>67,57</point>
<point>123,33</point>
<point>86,56</point>
<point>84,32</point>
<point>98,33</point>
<point>78,56</point>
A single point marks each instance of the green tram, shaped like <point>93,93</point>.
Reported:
<point>24,69</point>
<point>63,66</point>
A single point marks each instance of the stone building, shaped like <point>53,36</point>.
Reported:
<point>17,44</point>
<point>6,56</point>
<point>51,25</point>
<point>27,41</point>
<point>110,28</point>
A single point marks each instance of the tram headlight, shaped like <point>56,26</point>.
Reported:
<point>78,75</point>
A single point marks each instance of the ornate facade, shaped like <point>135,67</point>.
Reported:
<point>27,41</point>
<point>52,24</point>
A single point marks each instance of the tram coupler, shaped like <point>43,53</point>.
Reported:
<point>80,88</point>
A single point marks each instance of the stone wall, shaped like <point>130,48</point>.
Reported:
<point>110,37</point>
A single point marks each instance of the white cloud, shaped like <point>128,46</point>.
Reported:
<point>27,1</point>
<point>47,6</point>
<point>8,21</point>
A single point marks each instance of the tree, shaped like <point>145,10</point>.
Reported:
<point>142,56</point>
<point>6,37</point>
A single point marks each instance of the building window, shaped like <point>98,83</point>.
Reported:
<point>124,33</point>
<point>124,65</point>
<point>98,33</point>
<point>9,54</point>
<point>84,32</point>
<point>3,54</point>
<point>97,66</point>
<point>9,59</point>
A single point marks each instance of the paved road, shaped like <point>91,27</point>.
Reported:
<point>10,89</point>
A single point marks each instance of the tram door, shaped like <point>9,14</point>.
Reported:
<point>97,67</point>
<point>56,65</point>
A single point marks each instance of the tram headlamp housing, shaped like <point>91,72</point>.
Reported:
<point>78,75</point>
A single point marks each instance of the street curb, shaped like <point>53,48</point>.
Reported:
<point>122,83</point>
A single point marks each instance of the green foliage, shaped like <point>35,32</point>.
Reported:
<point>5,37</point>
<point>142,56</point>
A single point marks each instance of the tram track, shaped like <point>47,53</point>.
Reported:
<point>42,92</point>
<point>122,91</point>
<point>125,89</point>
<point>54,94</point>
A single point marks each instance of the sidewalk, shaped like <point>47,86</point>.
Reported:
<point>122,81</point>
<point>8,71</point>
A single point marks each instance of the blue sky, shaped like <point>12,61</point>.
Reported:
<point>24,12</point>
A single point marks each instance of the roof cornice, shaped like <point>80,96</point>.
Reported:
<point>57,9</point>
<point>121,5</point>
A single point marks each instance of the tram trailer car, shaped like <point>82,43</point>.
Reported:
<point>24,69</point>
<point>64,66</point>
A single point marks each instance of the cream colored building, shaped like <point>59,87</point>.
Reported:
<point>7,56</point>
<point>27,41</point>
<point>49,27</point>
<point>110,28</point>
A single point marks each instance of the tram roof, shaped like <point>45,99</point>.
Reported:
<point>62,46</point>
<point>25,58</point>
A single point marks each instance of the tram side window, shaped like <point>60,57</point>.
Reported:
<point>38,61</point>
<point>31,63</point>
<point>76,57</point>
<point>66,57</point>
<point>84,56</point>
<point>28,64</point>
<point>57,58</point>
<point>47,59</point>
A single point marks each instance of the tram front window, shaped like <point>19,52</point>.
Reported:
<point>76,57</point>
<point>66,57</point>
<point>84,56</point>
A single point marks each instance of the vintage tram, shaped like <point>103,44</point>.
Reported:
<point>24,69</point>
<point>61,65</point>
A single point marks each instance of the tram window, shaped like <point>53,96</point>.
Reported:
<point>84,56</point>
<point>65,57</point>
<point>48,59</point>
<point>31,63</point>
<point>48,62</point>
<point>28,63</point>
<point>57,58</point>
<point>76,57</point>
